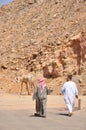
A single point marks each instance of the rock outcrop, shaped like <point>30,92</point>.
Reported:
<point>45,37</point>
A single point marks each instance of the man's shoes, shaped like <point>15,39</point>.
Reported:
<point>36,114</point>
<point>70,114</point>
<point>43,116</point>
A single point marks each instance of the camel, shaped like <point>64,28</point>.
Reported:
<point>28,80</point>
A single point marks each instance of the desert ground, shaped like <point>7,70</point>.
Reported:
<point>48,38</point>
<point>17,113</point>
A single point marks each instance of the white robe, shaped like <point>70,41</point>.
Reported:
<point>69,90</point>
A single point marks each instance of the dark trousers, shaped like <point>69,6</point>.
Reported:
<point>41,106</point>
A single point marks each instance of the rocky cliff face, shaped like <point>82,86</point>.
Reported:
<point>46,37</point>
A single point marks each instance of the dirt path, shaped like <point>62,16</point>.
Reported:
<point>16,113</point>
<point>9,101</point>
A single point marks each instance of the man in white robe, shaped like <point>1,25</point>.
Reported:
<point>70,91</point>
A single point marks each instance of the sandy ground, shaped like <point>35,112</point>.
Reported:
<point>16,113</point>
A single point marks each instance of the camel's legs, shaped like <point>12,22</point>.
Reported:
<point>21,87</point>
<point>27,88</point>
<point>32,84</point>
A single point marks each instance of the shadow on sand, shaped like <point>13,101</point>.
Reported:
<point>34,115</point>
<point>63,114</point>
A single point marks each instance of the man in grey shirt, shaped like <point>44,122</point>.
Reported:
<point>40,95</point>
